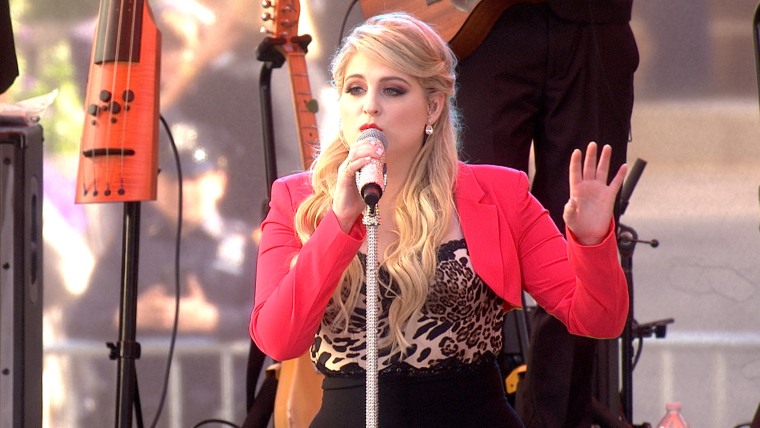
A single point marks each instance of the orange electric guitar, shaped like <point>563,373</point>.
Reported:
<point>299,385</point>
<point>118,160</point>
<point>463,23</point>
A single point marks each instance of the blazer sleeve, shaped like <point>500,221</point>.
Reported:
<point>294,282</point>
<point>600,304</point>
<point>583,286</point>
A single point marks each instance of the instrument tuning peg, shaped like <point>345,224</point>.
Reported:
<point>265,30</point>
<point>266,16</point>
<point>266,4</point>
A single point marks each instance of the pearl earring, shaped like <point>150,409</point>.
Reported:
<point>428,129</point>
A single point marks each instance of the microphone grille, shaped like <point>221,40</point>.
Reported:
<point>374,133</point>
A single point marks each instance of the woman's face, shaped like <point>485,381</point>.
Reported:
<point>389,99</point>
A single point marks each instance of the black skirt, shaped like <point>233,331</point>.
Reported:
<point>470,397</point>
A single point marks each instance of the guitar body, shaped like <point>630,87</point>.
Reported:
<point>118,159</point>
<point>464,27</point>
<point>299,393</point>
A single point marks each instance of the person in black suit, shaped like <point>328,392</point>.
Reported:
<point>548,78</point>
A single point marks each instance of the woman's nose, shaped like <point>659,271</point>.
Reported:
<point>370,106</point>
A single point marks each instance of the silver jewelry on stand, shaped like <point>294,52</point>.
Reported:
<point>372,220</point>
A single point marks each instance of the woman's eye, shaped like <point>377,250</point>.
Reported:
<point>393,91</point>
<point>354,90</point>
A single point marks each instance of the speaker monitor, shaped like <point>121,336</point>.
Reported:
<point>21,276</point>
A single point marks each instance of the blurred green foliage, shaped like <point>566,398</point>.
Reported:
<point>42,31</point>
<point>60,10</point>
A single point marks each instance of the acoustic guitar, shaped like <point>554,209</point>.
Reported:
<point>462,23</point>
<point>299,384</point>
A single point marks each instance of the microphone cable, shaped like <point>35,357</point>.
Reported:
<point>345,19</point>
<point>177,242</point>
<point>177,291</point>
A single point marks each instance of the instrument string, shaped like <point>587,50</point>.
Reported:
<point>127,94</point>
<point>100,37</point>
<point>112,89</point>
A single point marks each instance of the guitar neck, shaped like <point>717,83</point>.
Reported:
<point>305,107</point>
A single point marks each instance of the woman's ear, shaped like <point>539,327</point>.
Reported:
<point>435,106</point>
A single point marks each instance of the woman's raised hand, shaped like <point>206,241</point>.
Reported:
<point>589,210</point>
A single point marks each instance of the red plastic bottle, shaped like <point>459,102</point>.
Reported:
<point>673,417</point>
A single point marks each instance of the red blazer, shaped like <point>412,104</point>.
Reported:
<point>513,244</point>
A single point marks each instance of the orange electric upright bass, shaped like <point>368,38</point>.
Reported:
<point>118,157</point>
<point>118,154</point>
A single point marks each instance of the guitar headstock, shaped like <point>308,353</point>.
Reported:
<point>283,15</point>
<point>288,45</point>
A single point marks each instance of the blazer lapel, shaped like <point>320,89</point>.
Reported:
<point>480,225</point>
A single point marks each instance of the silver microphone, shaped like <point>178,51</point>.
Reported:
<point>370,180</point>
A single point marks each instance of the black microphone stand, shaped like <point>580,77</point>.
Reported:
<point>627,240</point>
<point>756,34</point>
<point>127,349</point>
<point>272,58</point>
<point>261,406</point>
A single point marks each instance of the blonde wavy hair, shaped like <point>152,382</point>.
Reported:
<point>426,202</point>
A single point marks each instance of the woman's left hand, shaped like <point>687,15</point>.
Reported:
<point>589,210</point>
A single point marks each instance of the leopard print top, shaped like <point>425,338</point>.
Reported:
<point>459,324</point>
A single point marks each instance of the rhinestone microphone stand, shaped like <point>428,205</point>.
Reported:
<point>371,221</point>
